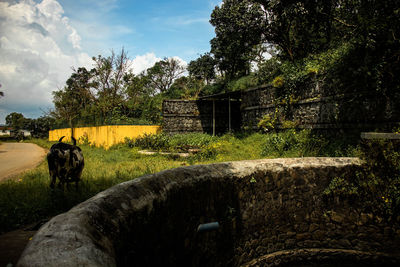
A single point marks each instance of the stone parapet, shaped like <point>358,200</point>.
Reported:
<point>262,207</point>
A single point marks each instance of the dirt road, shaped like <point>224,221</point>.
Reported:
<point>18,157</point>
<point>14,159</point>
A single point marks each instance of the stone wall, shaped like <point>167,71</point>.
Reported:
<point>317,109</point>
<point>184,116</point>
<point>313,108</point>
<point>270,212</point>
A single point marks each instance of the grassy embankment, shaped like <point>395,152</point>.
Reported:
<point>28,198</point>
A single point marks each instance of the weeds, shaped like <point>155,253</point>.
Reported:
<point>377,184</point>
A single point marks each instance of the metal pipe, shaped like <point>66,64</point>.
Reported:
<point>213,117</point>
<point>229,107</point>
<point>207,227</point>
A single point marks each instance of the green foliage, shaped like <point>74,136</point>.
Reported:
<point>342,188</point>
<point>15,120</point>
<point>162,75</point>
<point>267,123</point>
<point>111,94</point>
<point>203,68</point>
<point>185,88</point>
<point>242,83</point>
<point>238,29</point>
<point>155,142</point>
<point>377,185</point>
<point>293,143</point>
<point>175,143</point>
<point>298,28</point>
<point>38,127</point>
<point>278,82</point>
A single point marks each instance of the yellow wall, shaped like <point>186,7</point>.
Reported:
<point>104,136</point>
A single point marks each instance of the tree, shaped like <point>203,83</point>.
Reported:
<point>186,88</point>
<point>239,30</point>
<point>41,126</point>
<point>203,68</point>
<point>298,27</point>
<point>163,73</point>
<point>75,98</point>
<point>110,73</point>
<point>15,120</point>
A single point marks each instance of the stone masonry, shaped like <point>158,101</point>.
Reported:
<point>270,211</point>
<point>312,108</point>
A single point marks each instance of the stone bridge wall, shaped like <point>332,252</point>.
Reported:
<point>269,211</point>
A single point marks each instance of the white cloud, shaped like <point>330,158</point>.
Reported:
<point>143,62</point>
<point>38,48</point>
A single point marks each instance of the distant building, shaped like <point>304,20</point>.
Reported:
<point>4,130</point>
<point>9,131</point>
<point>26,133</point>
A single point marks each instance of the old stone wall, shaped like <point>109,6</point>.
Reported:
<point>313,108</point>
<point>185,116</point>
<point>317,109</point>
<point>270,211</point>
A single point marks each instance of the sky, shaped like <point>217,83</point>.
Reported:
<point>41,41</point>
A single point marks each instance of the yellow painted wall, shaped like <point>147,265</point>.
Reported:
<point>104,136</point>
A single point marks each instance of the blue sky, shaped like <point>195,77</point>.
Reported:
<point>42,40</point>
<point>167,28</point>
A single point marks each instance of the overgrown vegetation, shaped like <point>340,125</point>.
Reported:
<point>375,188</point>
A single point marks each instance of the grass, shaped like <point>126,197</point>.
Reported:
<point>28,198</point>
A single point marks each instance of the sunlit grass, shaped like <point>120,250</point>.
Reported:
<point>28,198</point>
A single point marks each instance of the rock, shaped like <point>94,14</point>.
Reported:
<point>313,227</point>
<point>336,217</point>
<point>303,236</point>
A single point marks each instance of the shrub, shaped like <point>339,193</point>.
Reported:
<point>176,143</point>
<point>267,123</point>
<point>278,82</point>
<point>377,185</point>
<point>298,144</point>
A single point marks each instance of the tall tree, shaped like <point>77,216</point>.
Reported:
<point>15,120</point>
<point>75,98</point>
<point>203,68</point>
<point>162,75</point>
<point>297,27</point>
<point>239,29</point>
<point>110,73</point>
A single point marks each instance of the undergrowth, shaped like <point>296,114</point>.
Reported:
<point>376,187</point>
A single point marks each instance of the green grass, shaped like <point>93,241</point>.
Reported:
<point>28,198</point>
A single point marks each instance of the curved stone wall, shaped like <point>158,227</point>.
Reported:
<point>263,207</point>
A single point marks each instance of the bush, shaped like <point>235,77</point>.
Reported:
<point>155,142</point>
<point>243,83</point>
<point>294,143</point>
<point>377,185</point>
<point>175,143</point>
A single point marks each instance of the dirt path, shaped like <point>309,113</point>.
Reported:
<point>14,159</point>
<point>18,157</point>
